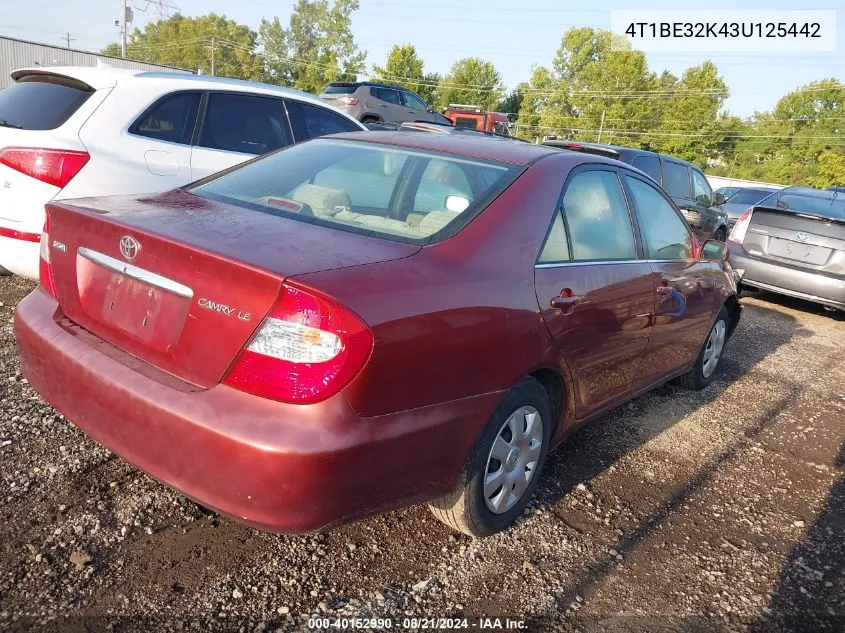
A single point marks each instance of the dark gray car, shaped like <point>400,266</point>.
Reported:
<point>743,199</point>
<point>379,103</point>
<point>793,243</point>
<point>683,181</point>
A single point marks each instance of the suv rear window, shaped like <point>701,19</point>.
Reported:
<point>340,89</point>
<point>41,102</point>
<point>390,192</point>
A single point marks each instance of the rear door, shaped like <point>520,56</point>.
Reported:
<point>236,127</point>
<point>388,105</point>
<point>685,290</point>
<point>595,292</point>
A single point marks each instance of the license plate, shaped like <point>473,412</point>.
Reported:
<point>807,253</point>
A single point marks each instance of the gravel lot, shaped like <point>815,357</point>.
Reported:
<point>710,511</point>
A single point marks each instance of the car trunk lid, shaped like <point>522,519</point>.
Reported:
<point>801,240</point>
<point>183,282</point>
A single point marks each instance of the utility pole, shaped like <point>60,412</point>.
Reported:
<point>212,56</point>
<point>601,125</point>
<point>68,39</point>
<point>125,17</point>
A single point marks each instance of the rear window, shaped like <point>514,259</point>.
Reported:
<point>41,102</point>
<point>676,179</point>
<point>823,204</point>
<point>340,90</point>
<point>749,196</point>
<point>391,192</point>
<point>650,165</point>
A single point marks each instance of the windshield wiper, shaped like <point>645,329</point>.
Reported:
<point>5,123</point>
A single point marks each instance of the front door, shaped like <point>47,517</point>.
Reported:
<point>595,293</point>
<point>417,109</point>
<point>685,286</point>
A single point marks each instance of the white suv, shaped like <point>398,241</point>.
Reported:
<point>68,132</point>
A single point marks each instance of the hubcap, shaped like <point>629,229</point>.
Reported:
<point>512,461</point>
<point>713,349</point>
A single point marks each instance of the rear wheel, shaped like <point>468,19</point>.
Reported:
<point>711,353</point>
<point>504,468</point>
<point>370,119</point>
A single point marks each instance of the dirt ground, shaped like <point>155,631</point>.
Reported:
<point>722,510</point>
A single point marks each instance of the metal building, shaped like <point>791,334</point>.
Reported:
<point>16,53</point>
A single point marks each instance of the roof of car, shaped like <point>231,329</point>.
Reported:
<point>483,146</point>
<point>104,76</point>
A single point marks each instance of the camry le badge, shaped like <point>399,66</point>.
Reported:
<point>129,247</point>
<point>802,237</point>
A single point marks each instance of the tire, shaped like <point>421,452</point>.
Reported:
<point>466,508</point>
<point>721,234</point>
<point>705,367</point>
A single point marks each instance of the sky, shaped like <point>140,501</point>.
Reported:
<point>513,35</point>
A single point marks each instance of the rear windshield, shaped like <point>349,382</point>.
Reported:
<point>825,204</point>
<point>391,192</point>
<point>750,196</point>
<point>41,102</point>
<point>340,90</point>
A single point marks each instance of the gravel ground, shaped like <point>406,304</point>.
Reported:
<point>722,510</point>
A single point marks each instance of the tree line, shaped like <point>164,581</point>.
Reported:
<point>590,92</point>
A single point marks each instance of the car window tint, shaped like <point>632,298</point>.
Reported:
<point>676,179</point>
<point>244,123</point>
<point>439,180</point>
<point>750,196</point>
<point>172,119</point>
<point>41,102</point>
<point>556,248</point>
<point>598,218</point>
<point>701,191</point>
<point>666,236</point>
<point>648,164</point>
<point>320,121</point>
<point>367,178</point>
<point>412,101</point>
<point>386,94</point>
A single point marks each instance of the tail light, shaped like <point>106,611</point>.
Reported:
<point>696,247</point>
<point>56,167</point>
<point>308,348</point>
<point>45,269</point>
<point>350,101</point>
<point>741,227</point>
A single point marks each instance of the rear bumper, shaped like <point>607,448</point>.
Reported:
<point>19,257</point>
<point>281,467</point>
<point>782,279</point>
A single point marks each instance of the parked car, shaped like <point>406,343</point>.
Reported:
<point>793,243</point>
<point>683,181</point>
<point>380,103</point>
<point>369,320</point>
<point>727,192</point>
<point>75,132</point>
<point>740,201</point>
<point>475,118</point>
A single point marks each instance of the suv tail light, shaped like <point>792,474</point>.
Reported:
<point>45,269</point>
<point>350,101</point>
<point>741,227</point>
<point>56,167</point>
<point>307,349</point>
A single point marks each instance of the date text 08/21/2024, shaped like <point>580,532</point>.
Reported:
<point>418,623</point>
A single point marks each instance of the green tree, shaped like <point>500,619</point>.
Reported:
<point>512,102</point>
<point>315,49</point>
<point>189,42</point>
<point>405,69</point>
<point>471,81</point>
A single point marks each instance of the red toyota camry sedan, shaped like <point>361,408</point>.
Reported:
<point>370,320</point>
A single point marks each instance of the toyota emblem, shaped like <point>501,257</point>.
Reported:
<point>802,237</point>
<point>129,247</point>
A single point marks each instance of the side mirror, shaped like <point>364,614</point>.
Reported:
<point>720,199</point>
<point>715,251</point>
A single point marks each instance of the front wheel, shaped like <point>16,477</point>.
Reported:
<point>711,353</point>
<point>504,468</point>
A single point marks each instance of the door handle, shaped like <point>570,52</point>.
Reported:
<point>566,300</point>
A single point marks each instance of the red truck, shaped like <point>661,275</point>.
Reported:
<point>474,117</point>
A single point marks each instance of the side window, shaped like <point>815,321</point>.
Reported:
<point>701,191</point>
<point>244,123</point>
<point>649,165</point>
<point>172,119</point>
<point>556,248</point>
<point>319,121</point>
<point>386,94</point>
<point>666,236</point>
<point>439,180</point>
<point>413,101</point>
<point>676,179</point>
<point>597,215</point>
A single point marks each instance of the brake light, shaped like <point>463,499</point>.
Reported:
<point>56,167</point>
<point>351,101</point>
<point>308,348</point>
<point>45,268</point>
<point>741,227</point>
<point>696,247</point>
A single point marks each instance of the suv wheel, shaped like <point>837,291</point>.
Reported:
<point>370,119</point>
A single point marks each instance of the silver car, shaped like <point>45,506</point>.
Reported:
<point>743,199</point>
<point>793,243</point>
